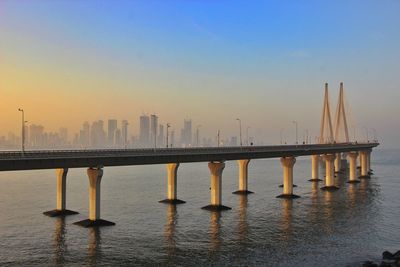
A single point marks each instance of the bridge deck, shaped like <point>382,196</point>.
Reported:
<point>52,159</point>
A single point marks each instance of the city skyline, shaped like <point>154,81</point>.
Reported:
<point>180,61</point>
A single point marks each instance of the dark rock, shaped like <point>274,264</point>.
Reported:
<point>369,264</point>
<point>386,255</point>
<point>172,201</point>
<point>94,223</point>
<point>397,255</point>
<point>388,263</point>
<point>216,207</point>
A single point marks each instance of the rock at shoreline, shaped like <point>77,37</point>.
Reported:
<point>397,255</point>
<point>386,255</point>
<point>369,264</point>
<point>388,260</point>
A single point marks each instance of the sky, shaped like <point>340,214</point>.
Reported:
<point>265,62</point>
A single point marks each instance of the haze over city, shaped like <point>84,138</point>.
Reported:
<point>210,62</point>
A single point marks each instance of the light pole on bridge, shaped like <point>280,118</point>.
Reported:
<point>218,138</point>
<point>281,135</point>
<point>297,141</point>
<point>247,135</point>
<point>366,131</point>
<point>22,130</point>
<point>168,125</point>
<point>197,134</point>
<point>240,130</point>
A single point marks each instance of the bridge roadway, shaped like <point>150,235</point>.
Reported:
<point>54,159</point>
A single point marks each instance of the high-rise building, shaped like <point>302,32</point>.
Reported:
<point>84,135</point>
<point>186,133</point>
<point>118,138</point>
<point>171,140</point>
<point>63,135</point>
<point>97,134</point>
<point>124,133</point>
<point>37,135</point>
<point>144,131</point>
<point>112,127</point>
<point>161,140</point>
<point>153,129</point>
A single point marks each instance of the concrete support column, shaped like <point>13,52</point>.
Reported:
<point>95,175</point>
<point>338,162</point>
<point>61,210</point>
<point>287,164</point>
<point>315,168</point>
<point>369,162</point>
<point>216,169</point>
<point>330,173</point>
<point>172,170</point>
<point>243,177</point>
<point>61,188</point>
<point>353,167</point>
<point>364,164</point>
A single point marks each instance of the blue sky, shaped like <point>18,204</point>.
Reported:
<point>212,61</point>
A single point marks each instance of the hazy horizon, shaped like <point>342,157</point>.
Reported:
<point>68,62</point>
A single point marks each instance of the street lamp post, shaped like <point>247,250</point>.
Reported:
<point>218,138</point>
<point>366,131</point>
<point>197,134</point>
<point>240,131</point>
<point>22,130</point>
<point>168,125</point>
<point>375,135</point>
<point>295,122</point>
<point>247,135</point>
<point>281,135</point>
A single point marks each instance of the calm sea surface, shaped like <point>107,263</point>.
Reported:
<point>342,228</point>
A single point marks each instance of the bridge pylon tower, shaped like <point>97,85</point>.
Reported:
<point>326,131</point>
<point>341,120</point>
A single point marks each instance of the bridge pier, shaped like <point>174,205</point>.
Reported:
<point>61,196</point>
<point>364,164</point>
<point>95,175</point>
<point>369,162</point>
<point>315,168</point>
<point>216,169</point>
<point>243,177</point>
<point>287,164</point>
<point>338,162</point>
<point>353,167</point>
<point>329,174</point>
<point>172,170</point>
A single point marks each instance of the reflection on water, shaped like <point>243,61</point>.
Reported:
<point>243,225</point>
<point>319,229</point>
<point>169,230</point>
<point>59,244</point>
<point>215,237</point>
<point>329,206</point>
<point>94,246</point>
<point>286,220</point>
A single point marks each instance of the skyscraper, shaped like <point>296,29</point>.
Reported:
<point>161,140</point>
<point>153,128</point>
<point>124,133</point>
<point>144,131</point>
<point>112,127</point>
<point>84,136</point>
<point>118,138</point>
<point>97,134</point>
<point>63,134</point>
<point>186,133</point>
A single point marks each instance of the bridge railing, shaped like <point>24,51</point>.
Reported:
<point>166,151</point>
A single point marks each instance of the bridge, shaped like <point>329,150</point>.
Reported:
<point>334,150</point>
<point>96,160</point>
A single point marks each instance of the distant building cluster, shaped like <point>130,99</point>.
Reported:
<point>114,134</point>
